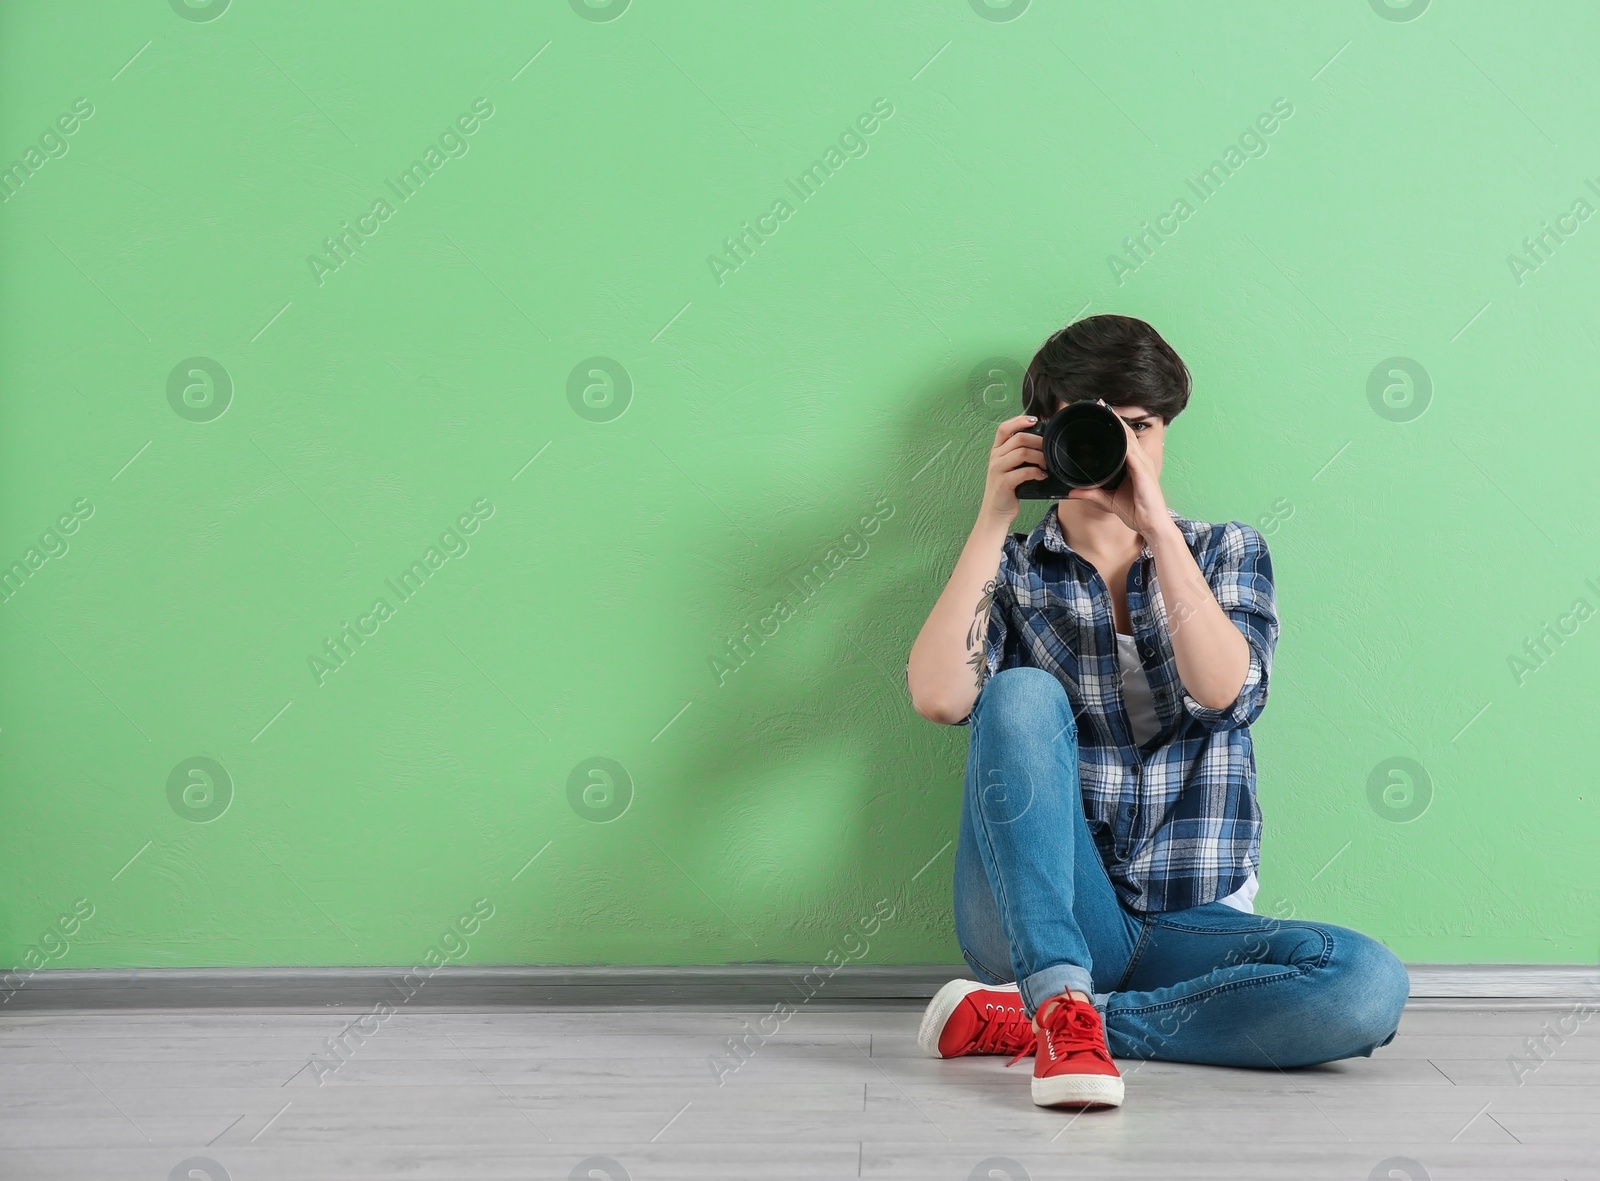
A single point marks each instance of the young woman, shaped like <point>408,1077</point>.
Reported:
<point>1110,664</point>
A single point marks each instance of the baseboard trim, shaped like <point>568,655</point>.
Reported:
<point>1554,982</point>
<point>455,986</point>
<point>740,984</point>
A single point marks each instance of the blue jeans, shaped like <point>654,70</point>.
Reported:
<point>1209,984</point>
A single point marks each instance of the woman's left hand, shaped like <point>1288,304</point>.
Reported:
<point>1138,500</point>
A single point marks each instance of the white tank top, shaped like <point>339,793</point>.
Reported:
<point>1141,706</point>
<point>1136,691</point>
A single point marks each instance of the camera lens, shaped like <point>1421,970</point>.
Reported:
<point>1087,446</point>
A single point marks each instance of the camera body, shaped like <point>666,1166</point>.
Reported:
<point>1085,446</point>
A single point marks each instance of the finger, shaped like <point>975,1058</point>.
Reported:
<point>1022,443</point>
<point>1016,461</point>
<point>1139,460</point>
<point>1010,460</point>
<point>1011,426</point>
<point>1022,474</point>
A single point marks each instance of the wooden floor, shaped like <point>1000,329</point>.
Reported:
<point>834,1092</point>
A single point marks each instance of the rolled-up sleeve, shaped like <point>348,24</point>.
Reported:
<point>1241,581</point>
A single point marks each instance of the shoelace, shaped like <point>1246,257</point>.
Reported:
<point>1005,1026</point>
<point>1073,1027</point>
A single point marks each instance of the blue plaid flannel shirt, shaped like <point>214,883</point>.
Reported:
<point>1176,821</point>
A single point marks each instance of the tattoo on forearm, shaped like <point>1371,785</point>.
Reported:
<point>979,633</point>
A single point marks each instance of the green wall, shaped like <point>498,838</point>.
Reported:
<point>1408,415</point>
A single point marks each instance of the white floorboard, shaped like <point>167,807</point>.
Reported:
<point>838,1092</point>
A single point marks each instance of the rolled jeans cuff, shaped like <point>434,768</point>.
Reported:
<point>1053,981</point>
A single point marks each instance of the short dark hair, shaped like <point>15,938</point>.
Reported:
<point>1118,358</point>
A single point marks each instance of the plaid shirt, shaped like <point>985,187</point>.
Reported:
<point>1175,821</point>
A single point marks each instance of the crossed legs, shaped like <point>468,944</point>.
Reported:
<point>1209,984</point>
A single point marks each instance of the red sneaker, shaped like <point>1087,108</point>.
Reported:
<point>1072,1067</point>
<point>966,1017</point>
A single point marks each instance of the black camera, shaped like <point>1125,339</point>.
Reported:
<point>1085,446</point>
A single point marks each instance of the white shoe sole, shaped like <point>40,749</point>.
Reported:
<point>1078,1090</point>
<point>944,1003</point>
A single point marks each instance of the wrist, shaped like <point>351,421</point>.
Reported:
<point>991,522</point>
<point>1163,535</point>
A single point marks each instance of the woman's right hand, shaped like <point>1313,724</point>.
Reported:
<point>1017,456</point>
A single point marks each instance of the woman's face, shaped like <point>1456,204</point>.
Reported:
<point>1148,429</point>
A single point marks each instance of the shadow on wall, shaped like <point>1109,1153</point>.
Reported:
<point>826,690</point>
